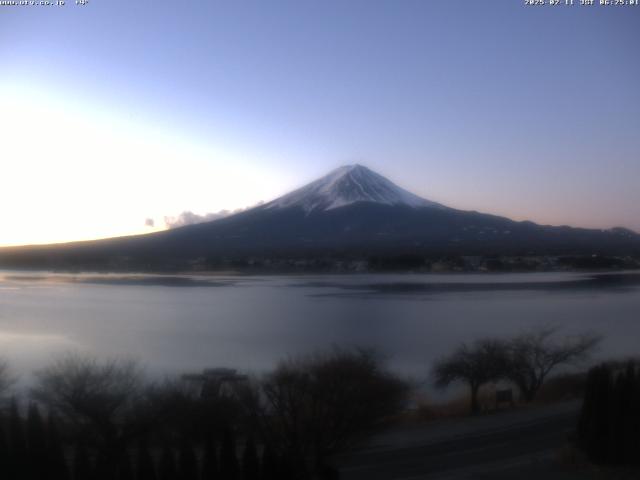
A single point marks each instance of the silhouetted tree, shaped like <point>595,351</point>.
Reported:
<point>322,404</point>
<point>532,357</point>
<point>477,364</point>
<point>36,444</point>
<point>228,457</point>
<point>168,469</point>
<point>210,461</point>
<point>269,464</point>
<point>125,470</point>
<point>609,425</point>
<point>5,454</point>
<point>591,409</point>
<point>328,472</point>
<point>250,461</point>
<point>625,444</point>
<point>18,465</point>
<point>57,464</point>
<point>187,462</point>
<point>632,425</point>
<point>107,464</point>
<point>195,407</point>
<point>97,399</point>
<point>145,467</point>
<point>82,464</point>
<point>287,470</point>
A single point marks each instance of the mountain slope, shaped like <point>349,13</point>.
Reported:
<point>352,212</point>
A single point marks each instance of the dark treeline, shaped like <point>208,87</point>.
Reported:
<point>90,419</point>
<point>33,449</point>
<point>609,425</point>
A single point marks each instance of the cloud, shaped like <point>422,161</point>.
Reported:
<point>190,218</point>
<point>149,222</point>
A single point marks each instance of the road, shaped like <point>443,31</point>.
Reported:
<point>478,449</point>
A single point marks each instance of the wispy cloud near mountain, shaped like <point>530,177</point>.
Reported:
<point>189,218</point>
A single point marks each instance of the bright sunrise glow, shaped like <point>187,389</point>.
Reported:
<point>72,173</point>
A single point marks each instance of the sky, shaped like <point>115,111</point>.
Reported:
<point>117,114</point>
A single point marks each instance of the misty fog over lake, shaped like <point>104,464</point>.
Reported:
<point>176,324</point>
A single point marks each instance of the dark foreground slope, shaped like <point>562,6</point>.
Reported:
<point>516,444</point>
<point>354,231</point>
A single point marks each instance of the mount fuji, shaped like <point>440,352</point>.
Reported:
<point>351,213</point>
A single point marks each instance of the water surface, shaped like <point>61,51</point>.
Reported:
<point>185,323</point>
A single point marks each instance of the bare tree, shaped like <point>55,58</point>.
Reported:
<point>101,399</point>
<point>533,355</point>
<point>192,410</point>
<point>482,362</point>
<point>318,405</point>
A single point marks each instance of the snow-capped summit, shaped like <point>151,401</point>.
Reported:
<point>347,185</point>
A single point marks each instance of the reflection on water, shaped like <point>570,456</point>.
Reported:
<point>178,323</point>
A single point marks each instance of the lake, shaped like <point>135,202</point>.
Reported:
<point>180,324</point>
